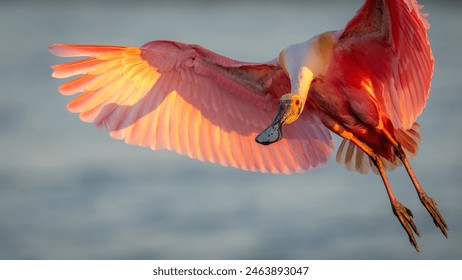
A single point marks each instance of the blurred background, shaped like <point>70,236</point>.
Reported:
<point>69,191</point>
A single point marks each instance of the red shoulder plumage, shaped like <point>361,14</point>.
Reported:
<point>403,63</point>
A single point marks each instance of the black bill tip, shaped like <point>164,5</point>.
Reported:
<point>273,132</point>
<point>270,135</point>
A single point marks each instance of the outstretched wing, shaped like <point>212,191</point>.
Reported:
<point>170,95</point>
<point>397,54</point>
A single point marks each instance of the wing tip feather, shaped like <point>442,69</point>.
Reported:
<point>72,50</point>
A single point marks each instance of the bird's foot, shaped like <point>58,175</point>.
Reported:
<point>430,204</point>
<point>404,216</point>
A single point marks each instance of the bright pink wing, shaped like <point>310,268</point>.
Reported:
<point>389,37</point>
<point>169,95</point>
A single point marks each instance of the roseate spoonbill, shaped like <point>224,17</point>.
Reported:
<point>367,83</point>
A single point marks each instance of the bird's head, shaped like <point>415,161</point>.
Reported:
<point>290,108</point>
<point>302,63</point>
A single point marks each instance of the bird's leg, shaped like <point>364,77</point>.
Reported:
<point>427,201</point>
<point>403,214</point>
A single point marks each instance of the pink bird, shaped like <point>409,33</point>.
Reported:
<point>367,83</point>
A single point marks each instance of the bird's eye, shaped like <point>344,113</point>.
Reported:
<point>297,102</point>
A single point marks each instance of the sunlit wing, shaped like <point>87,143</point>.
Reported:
<point>169,95</point>
<point>398,55</point>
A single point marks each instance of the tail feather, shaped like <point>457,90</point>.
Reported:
<point>409,140</point>
<point>355,159</point>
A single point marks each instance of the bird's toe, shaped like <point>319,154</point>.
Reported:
<point>430,205</point>
<point>404,216</point>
